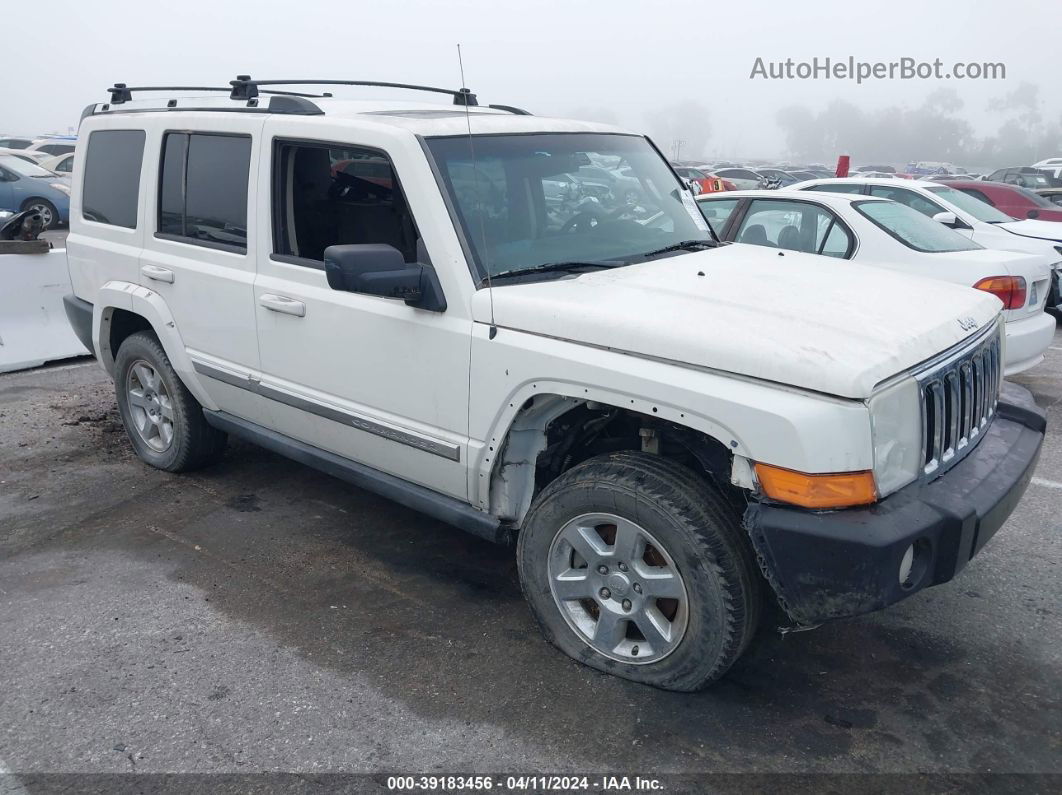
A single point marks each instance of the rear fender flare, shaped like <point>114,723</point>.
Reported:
<point>152,307</point>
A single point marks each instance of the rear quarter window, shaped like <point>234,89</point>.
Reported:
<point>111,186</point>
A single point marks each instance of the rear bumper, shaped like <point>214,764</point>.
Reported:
<point>1027,339</point>
<point>79,313</point>
<point>845,563</point>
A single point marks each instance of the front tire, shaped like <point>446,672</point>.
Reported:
<point>164,422</point>
<point>636,566</point>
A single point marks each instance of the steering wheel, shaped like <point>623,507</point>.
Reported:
<point>581,222</point>
<point>585,220</point>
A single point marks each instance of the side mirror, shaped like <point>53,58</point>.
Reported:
<point>950,220</point>
<point>1032,214</point>
<point>380,269</point>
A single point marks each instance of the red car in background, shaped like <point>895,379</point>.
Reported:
<point>708,183</point>
<point>1014,200</point>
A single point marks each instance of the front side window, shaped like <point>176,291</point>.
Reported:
<point>327,195</point>
<point>203,189</point>
<point>912,228</point>
<point>975,207</point>
<point>717,212</point>
<point>794,226</point>
<point>111,189</point>
<point>528,201</point>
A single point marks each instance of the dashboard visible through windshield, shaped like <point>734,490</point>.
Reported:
<point>532,201</point>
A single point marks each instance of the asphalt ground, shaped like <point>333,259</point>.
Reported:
<point>259,616</point>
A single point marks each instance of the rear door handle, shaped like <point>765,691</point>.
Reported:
<point>155,273</point>
<point>283,304</point>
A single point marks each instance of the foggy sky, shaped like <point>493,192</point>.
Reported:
<point>672,69</point>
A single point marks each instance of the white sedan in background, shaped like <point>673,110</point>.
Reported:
<point>59,164</point>
<point>886,234</point>
<point>960,211</point>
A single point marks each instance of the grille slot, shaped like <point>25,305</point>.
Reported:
<point>959,397</point>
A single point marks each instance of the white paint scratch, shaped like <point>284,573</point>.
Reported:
<point>1049,484</point>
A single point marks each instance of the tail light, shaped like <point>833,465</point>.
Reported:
<point>1008,289</point>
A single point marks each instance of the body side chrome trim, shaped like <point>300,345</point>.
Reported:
<point>447,450</point>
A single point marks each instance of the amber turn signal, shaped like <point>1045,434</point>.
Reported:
<point>838,490</point>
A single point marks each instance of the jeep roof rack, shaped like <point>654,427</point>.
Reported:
<point>294,102</point>
<point>121,93</point>
<point>244,87</point>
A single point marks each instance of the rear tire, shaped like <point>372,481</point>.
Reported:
<point>164,422</point>
<point>49,215</point>
<point>675,607</point>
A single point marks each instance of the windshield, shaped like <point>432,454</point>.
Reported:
<point>526,201</point>
<point>975,207</point>
<point>23,168</point>
<point>912,228</point>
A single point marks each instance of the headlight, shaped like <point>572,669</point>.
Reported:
<point>61,186</point>
<point>896,428</point>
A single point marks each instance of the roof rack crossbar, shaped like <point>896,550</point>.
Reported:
<point>243,87</point>
<point>121,93</point>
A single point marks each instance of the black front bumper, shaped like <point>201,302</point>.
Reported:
<point>843,563</point>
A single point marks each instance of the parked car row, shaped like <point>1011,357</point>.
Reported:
<point>34,174</point>
<point>48,144</point>
<point>27,186</point>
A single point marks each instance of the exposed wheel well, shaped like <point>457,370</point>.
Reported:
<point>551,434</point>
<point>123,324</point>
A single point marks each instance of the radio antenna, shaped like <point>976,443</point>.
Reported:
<point>475,188</point>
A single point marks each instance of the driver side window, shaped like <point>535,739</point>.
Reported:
<point>331,195</point>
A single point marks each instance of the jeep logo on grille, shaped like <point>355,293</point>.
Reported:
<point>967,323</point>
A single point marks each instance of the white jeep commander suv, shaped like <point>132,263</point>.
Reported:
<point>524,327</point>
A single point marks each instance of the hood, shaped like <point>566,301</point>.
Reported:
<point>1046,230</point>
<point>803,320</point>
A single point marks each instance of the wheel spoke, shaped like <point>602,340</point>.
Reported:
<point>165,431</point>
<point>136,398</point>
<point>661,583</point>
<point>610,629</point>
<point>587,543</point>
<point>630,545</point>
<point>655,628</point>
<point>572,585</point>
<point>143,375</point>
<point>166,407</point>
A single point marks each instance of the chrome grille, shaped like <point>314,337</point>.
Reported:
<point>959,395</point>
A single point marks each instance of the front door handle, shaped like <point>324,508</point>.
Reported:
<point>283,304</point>
<point>155,273</point>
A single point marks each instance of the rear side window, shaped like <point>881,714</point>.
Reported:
<point>837,187</point>
<point>203,189</point>
<point>913,229</point>
<point>111,187</point>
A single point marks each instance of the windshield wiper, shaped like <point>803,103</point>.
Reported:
<point>558,267</point>
<point>685,245</point>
